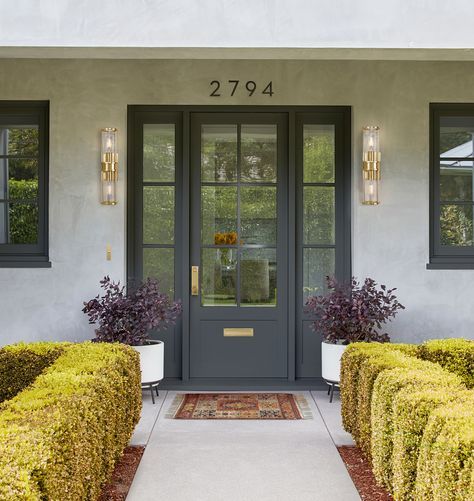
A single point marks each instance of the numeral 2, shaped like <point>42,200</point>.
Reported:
<point>217,84</point>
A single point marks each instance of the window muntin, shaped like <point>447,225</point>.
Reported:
<point>23,183</point>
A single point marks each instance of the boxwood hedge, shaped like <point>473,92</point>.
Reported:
<point>445,464</point>
<point>61,436</point>
<point>455,355</point>
<point>410,410</point>
<point>389,383</point>
<point>360,366</point>
<point>21,363</point>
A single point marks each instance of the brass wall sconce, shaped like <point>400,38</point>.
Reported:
<point>371,165</point>
<point>109,166</point>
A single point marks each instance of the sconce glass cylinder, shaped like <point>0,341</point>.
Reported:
<point>109,166</point>
<point>371,165</point>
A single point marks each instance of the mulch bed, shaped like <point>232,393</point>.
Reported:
<point>361,473</point>
<point>118,486</point>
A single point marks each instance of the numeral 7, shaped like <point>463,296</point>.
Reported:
<point>235,82</point>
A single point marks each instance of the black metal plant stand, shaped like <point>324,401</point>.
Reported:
<point>153,385</point>
<point>331,386</point>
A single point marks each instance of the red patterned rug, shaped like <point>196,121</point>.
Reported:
<point>239,406</point>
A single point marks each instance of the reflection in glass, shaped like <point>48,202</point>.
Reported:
<point>318,215</point>
<point>218,277</point>
<point>456,137</point>
<point>158,214</point>
<point>18,223</point>
<point>317,265</point>
<point>456,225</point>
<point>258,277</point>
<point>158,152</point>
<point>218,213</point>
<point>19,140</point>
<point>21,176</point>
<point>259,153</point>
<point>219,153</point>
<point>159,264</point>
<point>258,214</point>
<point>456,180</point>
<point>318,153</point>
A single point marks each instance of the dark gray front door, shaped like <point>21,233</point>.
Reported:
<point>258,198</point>
<point>239,199</point>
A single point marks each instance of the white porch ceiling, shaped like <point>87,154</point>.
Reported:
<point>239,29</point>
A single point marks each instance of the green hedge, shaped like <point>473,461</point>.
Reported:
<point>411,411</point>
<point>445,465</point>
<point>421,375</point>
<point>361,363</point>
<point>61,436</point>
<point>413,417</point>
<point>455,355</point>
<point>21,364</point>
<point>351,363</point>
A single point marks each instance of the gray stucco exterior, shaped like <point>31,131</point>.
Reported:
<point>389,242</point>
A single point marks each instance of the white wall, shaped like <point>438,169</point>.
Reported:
<point>390,242</point>
<point>237,23</point>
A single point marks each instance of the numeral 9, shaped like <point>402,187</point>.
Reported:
<point>251,86</point>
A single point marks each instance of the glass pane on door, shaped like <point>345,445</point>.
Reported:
<point>218,214</point>
<point>159,204</point>
<point>219,153</point>
<point>219,277</point>
<point>258,215</point>
<point>258,278</point>
<point>238,213</point>
<point>319,207</point>
<point>259,152</point>
<point>318,153</point>
<point>159,153</point>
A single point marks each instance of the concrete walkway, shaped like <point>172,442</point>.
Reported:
<point>242,460</point>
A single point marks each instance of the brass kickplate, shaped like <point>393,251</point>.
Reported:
<point>238,332</point>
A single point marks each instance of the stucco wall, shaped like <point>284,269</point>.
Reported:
<point>389,242</point>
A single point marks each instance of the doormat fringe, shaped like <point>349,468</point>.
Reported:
<point>174,411</point>
<point>174,407</point>
<point>303,405</point>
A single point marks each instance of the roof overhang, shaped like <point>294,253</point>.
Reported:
<point>283,53</point>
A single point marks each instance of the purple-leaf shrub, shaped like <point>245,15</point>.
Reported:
<point>129,317</point>
<point>351,312</point>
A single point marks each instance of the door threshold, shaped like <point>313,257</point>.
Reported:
<point>243,384</point>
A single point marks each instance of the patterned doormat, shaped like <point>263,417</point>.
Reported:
<point>239,406</point>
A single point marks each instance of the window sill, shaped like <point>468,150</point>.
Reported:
<point>25,264</point>
<point>450,266</point>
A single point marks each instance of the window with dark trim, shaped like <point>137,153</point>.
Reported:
<point>24,184</point>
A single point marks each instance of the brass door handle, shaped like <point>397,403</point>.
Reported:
<point>194,280</point>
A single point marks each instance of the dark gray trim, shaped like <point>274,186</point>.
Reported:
<point>25,264</point>
<point>342,115</point>
<point>31,255</point>
<point>444,257</point>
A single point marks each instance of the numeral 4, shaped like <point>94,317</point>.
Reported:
<point>268,89</point>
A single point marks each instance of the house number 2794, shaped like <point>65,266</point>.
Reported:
<point>232,86</point>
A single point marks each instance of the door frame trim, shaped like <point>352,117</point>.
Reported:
<point>133,111</point>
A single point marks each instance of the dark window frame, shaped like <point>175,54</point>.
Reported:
<point>444,257</point>
<point>31,255</point>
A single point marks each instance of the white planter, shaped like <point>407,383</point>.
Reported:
<point>152,361</point>
<point>331,361</point>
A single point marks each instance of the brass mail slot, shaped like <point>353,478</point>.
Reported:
<point>238,332</point>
